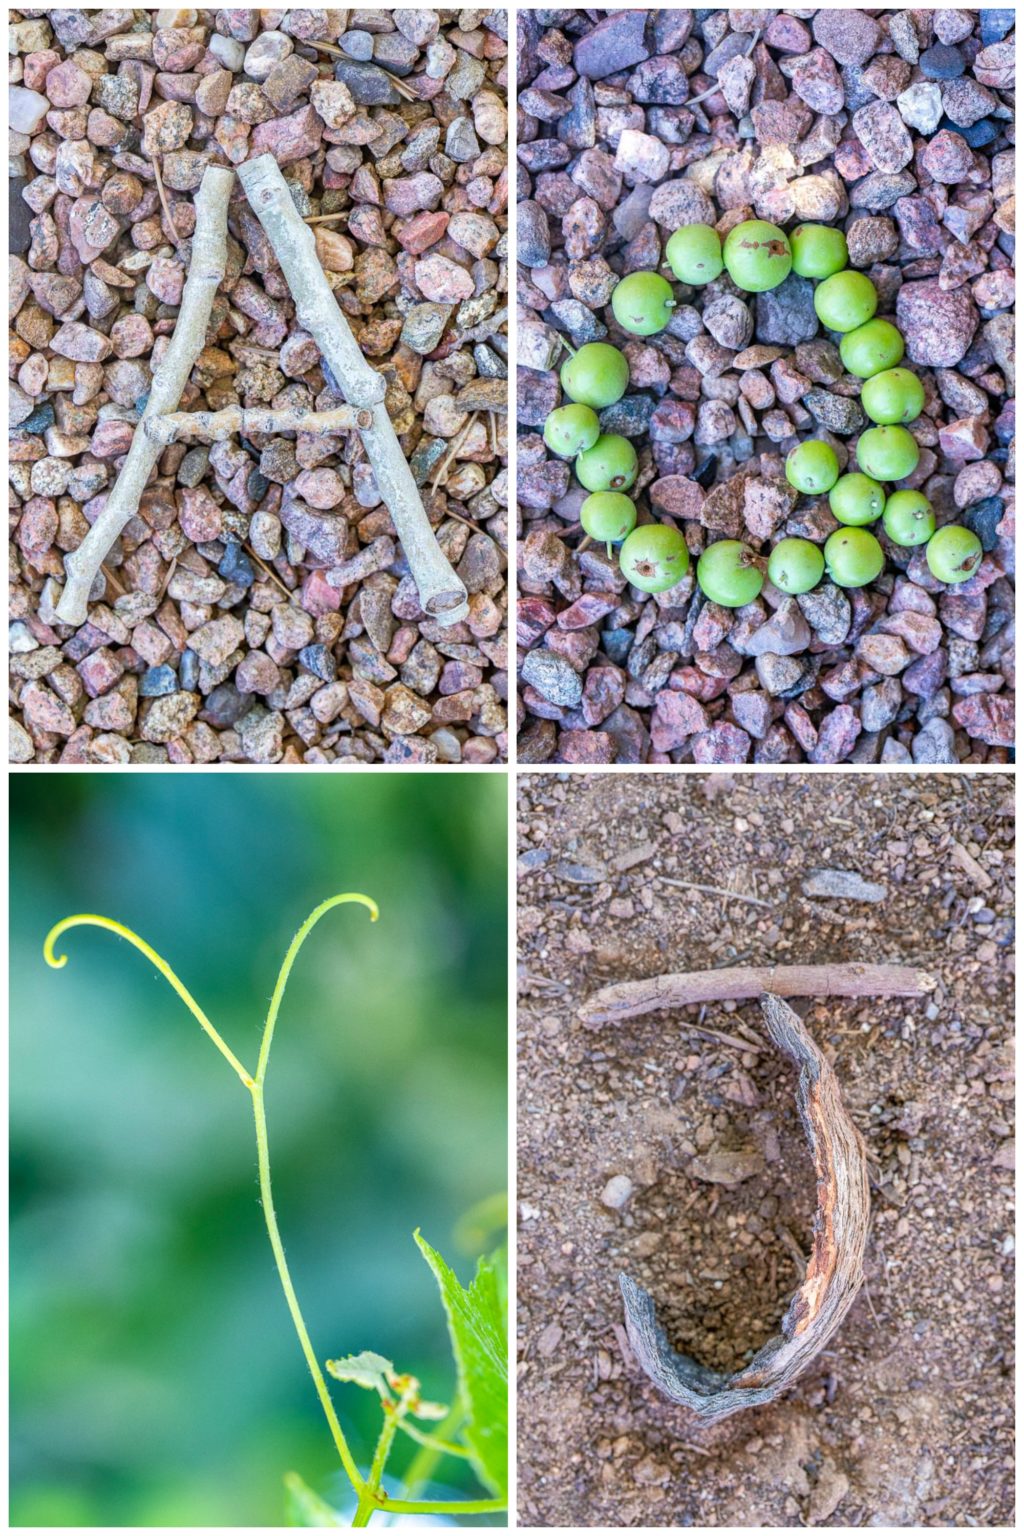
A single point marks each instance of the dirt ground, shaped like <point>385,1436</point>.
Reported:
<point>906,1419</point>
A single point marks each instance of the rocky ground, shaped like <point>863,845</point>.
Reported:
<point>258,608</point>
<point>896,126</point>
<point>907,1417</point>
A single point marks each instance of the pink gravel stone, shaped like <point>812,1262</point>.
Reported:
<point>442,281</point>
<point>67,85</point>
<point>296,137</point>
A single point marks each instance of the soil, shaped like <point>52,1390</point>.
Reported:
<point>906,1419</point>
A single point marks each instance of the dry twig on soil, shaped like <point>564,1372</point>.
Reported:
<point>834,1271</point>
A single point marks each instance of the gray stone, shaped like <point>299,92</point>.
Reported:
<point>785,315</point>
<point>553,678</point>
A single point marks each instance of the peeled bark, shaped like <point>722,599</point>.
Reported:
<point>628,999</point>
<point>834,1270</point>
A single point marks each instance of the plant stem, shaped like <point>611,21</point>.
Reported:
<point>445,1506</point>
<point>423,1463</point>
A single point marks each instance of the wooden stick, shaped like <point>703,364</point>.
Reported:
<point>628,999</point>
<point>211,426</point>
<point>205,275</point>
<point>835,1270</point>
<point>441,592</point>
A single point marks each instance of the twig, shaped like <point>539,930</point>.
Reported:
<point>326,218</point>
<point>627,999</point>
<point>442,594</point>
<point>834,1272</point>
<point>453,448</point>
<point>164,204</point>
<point>215,425</point>
<point>205,275</point>
<point>736,1041</point>
<point>713,890</point>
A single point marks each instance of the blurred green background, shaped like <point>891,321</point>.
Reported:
<point>156,1379</point>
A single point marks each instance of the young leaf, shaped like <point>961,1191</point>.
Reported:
<point>478,1325</point>
<point>365,1370</point>
<point>305,1507</point>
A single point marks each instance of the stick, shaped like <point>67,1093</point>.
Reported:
<point>214,425</point>
<point>205,274</point>
<point>835,1270</point>
<point>441,592</point>
<point>627,999</point>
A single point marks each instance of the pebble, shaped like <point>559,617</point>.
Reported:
<point>938,325</point>
<point>617,1192</point>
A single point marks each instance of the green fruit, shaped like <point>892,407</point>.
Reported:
<point>695,254</point>
<point>887,453</point>
<point>855,499</point>
<point>954,554</point>
<point>729,573</point>
<point>757,256</point>
<point>795,565</point>
<point>597,376</point>
<point>845,301</point>
<point>908,518</point>
<point>608,516</point>
<point>818,250</point>
<point>893,396</point>
<point>642,303</point>
<point>853,557</point>
<point>870,348</point>
<point>570,429</point>
<point>812,467</point>
<point>610,465</point>
<point>654,557</point>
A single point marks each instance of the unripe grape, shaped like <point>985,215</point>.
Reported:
<point>853,557</point>
<point>608,516</point>
<point>856,499</point>
<point>642,303</point>
<point>845,301</point>
<point>695,254</point>
<point>818,250</point>
<point>654,557</point>
<point>870,348</point>
<point>757,256</point>
<point>570,429</point>
<point>893,396</point>
<point>812,467</point>
<point>729,573</point>
<point>795,565</point>
<point>610,465</point>
<point>887,453</point>
<point>908,518</point>
<point>597,376</point>
<point>954,554</point>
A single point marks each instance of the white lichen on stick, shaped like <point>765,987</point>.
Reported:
<point>441,592</point>
<point>214,426</point>
<point>205,274</point>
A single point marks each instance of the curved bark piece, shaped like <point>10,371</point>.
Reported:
<point>205,275</point>
<point>834,1270</point>
<point>627,999</point>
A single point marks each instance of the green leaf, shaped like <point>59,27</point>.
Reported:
<point>365,1369</point>
<point>478,1325</point>
<point>304,1507</point>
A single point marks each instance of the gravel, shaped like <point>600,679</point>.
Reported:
<point>897,127</point>
<point>219,637</point>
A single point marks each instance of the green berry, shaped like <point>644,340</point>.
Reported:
<point>845,301</point>
<point>856,499</point>
<point>729,573</point>
<point>795,565</point>
<point>654,557</point>
<point>610,465</point>
<point>893,396</point>
<point>954,554</point>
<point>870,348</point>
<point>642,303</point>
<point>695,254</point>
<point>853,557</point>
<point>608,516</point>
<point>570,429</point>
<point>908,518</point>
<point>818,250</point>
<point>887,453</point>
<point>757,256</point>
<point>812,467</point>
<point>597,376</point>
